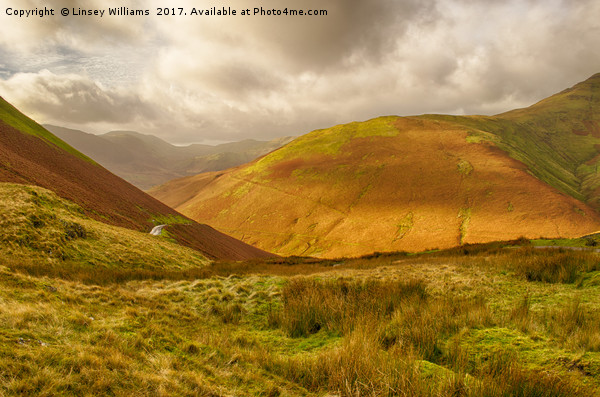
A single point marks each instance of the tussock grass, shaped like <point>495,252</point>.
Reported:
<point>358,367</point>
<point>459,323</point>
<point>406,344</point>
<point>336,306</point>
<point>575,326</point>
<point>554,265</point>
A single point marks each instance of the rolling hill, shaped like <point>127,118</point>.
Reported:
<point>413,183</point>
<point>146,160</point>
<point>30,155</point>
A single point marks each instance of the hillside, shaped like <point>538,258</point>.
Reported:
<point>412,183</point>
<point>146,161</point>
<point>38,226</point>
<point>31,155</point>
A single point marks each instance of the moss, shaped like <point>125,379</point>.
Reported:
<point>170,219</point>
<point>405,225</point>
<point>464,167</point>
<point>464,214</point>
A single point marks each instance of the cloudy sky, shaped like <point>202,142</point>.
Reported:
<point>214,79</point>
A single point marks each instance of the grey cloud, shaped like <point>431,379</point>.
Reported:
<point>239,80</point>
<point>353,29</point>
<point>75,99</point>
<point>79,33</point>
<point>234,78</point>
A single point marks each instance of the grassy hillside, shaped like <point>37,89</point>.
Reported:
<point>11,116</point>
<point>392,183</point>
<point>475,321</point>
<point>566,128</point>
<point>412,183</point>
<point>41,229</point>
<point>558,138</point>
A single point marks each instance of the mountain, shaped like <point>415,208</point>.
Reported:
<point>146,160</point>
<point>31,155</point>
<point>413,183</point>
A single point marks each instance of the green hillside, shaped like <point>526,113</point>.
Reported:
<point>557,138</point>
<point>31,155</point>
<point>41,229</point>
<point>399,183</point>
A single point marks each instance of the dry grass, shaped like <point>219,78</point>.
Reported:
<point>39,227</point>
<point>337,306</point>
<point>461,323</point>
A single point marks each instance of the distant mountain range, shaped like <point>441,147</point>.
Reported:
<point>31,155</point>
<point>146,160</point>
<point>413,183</point>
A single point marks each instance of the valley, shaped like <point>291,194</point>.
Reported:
<point>423,256</point>
<point>146,161</point>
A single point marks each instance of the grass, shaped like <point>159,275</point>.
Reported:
<point>39,229</point>
<point>90,309</point>
<point>169,219</point>
<point>554,138</point>
<point>466,322</point>
<point>325,142</point>
<point>554,267</point>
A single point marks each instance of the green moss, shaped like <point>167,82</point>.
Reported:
<point>242,190</point>
<point>464,167</point>
<point>534,351</point>
<point>405,225</point>
<point>464,214</point>
<point>170,219</point>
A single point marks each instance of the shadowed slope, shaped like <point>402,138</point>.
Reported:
<point>146,161</point>
<point>31,155</point>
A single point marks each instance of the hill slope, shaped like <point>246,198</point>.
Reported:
<point>40,227</point>
<point>31,155</point>
<point>146,161</point>
<point>410,183</point>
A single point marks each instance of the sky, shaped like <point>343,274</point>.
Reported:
<point>212,79</point>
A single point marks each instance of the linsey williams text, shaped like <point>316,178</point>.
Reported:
<point>120,11</point>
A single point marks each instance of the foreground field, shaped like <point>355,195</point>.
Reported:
<point>475,321</point>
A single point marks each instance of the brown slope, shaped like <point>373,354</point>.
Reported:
<point>29,159</point>
<point>387,184</point>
